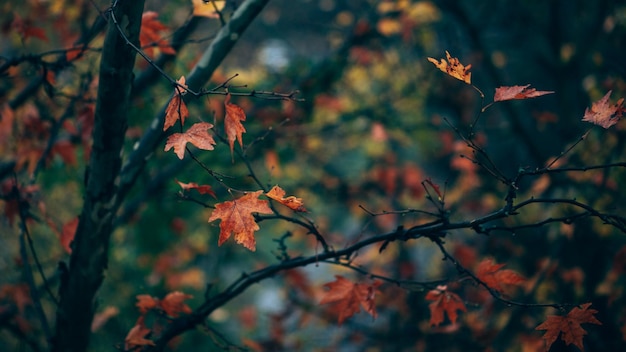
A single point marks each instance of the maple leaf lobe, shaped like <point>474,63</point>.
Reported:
<point>232,123</point>
<point>518,92</point>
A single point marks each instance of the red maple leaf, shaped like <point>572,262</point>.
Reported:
<point>278,194</point>
<point>518,92</point>
<point>444,301</point>
<point>150,37</point>
<point>489,272</point>
<point>176,109</point>
<point>604,114</point>
<point>453,67</point>
<point>348,297</point>
<point>232,123</point>
<point>568,326</point>
<point>202,189</point>
<point>197,135</point>
<point>136,337</point>
<point>237,218</point>
<point>25,29</point>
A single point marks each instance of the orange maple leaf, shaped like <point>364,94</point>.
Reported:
<point>174,303</point>
<point>146,303</point>
<point>348,297</point>
<point>67,234</point>
<point>176,109</point>
<point>202,189</point>
<point>444,301</point>
<point>149,36</point>
<point>489,272</point>
<point>237,218</point>
<point>604,114</point>
<point>453,67</point>
<point>197,135</point>
<point>278,194</point>
<point>208,8</point>
<point>137,336</point>
<point>232,123</point>
<point>518,92</point>
<point>568,326</point>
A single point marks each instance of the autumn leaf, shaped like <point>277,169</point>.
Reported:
<point>568,326</point>
<point>232,123</point>
<point>176,109</point>
<point>604,114</point>
<point>25,29</point>
<point>202,189</point>
<point>453,67</point>
<point>489,272</point>
<point>349,297</point>
<point>208,8</point>
<point>237,218</point>
<point>444,302</point>
<point>67,234</point>
<point>150,36</point>
<point>197,135</point>
<point>518,92</point>
<point>137,336</point>
<point>146,303</point>
<point>278,194</point>
<point>174,303</point>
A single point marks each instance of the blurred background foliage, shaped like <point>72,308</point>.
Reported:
<point>371,128</point>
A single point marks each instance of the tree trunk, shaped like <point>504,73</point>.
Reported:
<point>90,247</point>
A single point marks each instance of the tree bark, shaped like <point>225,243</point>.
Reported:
<point>88,261</point>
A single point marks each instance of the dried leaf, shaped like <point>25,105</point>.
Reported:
<point>232,123</point>
<point>518,92</point>
<point>291,202</point>
<point>568,326</point>
<point>208,8</point>
<point>444,302</point>
<point>176,109</point>
<point>604,114</point>
<point>453,67</point>
<point>349,297</point>
<point>150,37</point>
<point>237,218</point>
<point>489,272</point>
<point>136,336</point>
<point>197,135</point>
<point>202,189</point>
<point>174,303</point>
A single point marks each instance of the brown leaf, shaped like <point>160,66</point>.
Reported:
<point>518,92</point>
<point>349,297</point>
<point>150,36</point>
<point>136,336</point>
<point>568,326</point>
<point>444,301</point>
<point>237,218</point>
<point>453,67</point>
<point>197,135</point>
<point>604,114</point>
<point>176,109</point>
<point>489,272</point>
<point>202,189</point>
<point>291,202</point>
<point>174,303</point>
<point>232,123</point>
